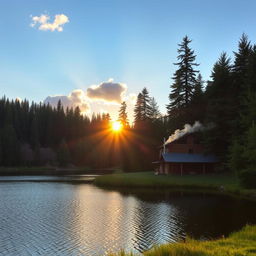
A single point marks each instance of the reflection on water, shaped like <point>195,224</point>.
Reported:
<point>81,219</point>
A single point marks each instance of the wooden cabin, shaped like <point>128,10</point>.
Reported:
<point>185,155</point>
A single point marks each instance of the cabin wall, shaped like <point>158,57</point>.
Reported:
<point>188,168</point>
<point>185,148</point>
<point>189,144</point>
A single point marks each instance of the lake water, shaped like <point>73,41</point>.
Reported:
<point>58,218</point>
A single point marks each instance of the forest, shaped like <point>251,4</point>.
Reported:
<point>34,134</point>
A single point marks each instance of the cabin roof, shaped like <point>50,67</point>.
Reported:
<point>189,158</point>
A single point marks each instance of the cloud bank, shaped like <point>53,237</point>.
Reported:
<point>107,91</point>
<point>103,98</point>
<point>76,98</point>
<point>43,22</point>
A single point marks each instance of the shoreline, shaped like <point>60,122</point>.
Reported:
<point>218,184</point>
<point>242,242</point>
<point>52,171</point>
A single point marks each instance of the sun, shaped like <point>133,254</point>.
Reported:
<point>117,126</point>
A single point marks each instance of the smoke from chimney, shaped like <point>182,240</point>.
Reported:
<point>196,127</point>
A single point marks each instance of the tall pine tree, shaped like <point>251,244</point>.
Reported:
<point>219,108</point>
<point>184,78</point>
<point>123,116</point>
<point>145,104</point>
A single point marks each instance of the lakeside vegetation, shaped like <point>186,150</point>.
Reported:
<point>213,183</point>
<point>241,243</point>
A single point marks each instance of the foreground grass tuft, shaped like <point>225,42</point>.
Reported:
<point>242,243</point>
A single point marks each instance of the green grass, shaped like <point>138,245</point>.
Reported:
<point>217,183</point>
<point>242,243</point>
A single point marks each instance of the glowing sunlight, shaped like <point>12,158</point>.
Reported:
<point>117,126</point>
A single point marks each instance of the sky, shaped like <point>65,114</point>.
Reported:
<point>95,54</point>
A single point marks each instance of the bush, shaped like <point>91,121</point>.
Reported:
<point>248,178</point>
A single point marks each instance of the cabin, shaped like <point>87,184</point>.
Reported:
<point>185,155</point>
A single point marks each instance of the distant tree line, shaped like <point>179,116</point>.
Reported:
<point>39,134</point>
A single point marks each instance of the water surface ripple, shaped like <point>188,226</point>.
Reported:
<point>80,219</point>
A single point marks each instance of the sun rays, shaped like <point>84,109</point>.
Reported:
<point>117,126</point>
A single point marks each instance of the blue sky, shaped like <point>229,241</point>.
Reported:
<point>132,42</point>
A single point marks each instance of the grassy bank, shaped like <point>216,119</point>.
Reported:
<point>216,183</point>
<point>242,243</point>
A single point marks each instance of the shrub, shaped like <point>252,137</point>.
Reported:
<point>248,178</point>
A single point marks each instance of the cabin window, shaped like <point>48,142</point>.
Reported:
<point>190,151</point>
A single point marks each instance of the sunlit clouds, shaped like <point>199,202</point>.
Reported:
<point>107,91</point>
<point>43,22</point>
<point>76,98</point>
<point>102,98</point>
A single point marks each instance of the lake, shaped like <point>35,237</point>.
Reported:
<point>63,218</point>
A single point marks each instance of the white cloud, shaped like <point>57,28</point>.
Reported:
<point>76,98</point>
<point>107,91</point>
<point>131,98</point>
<point>105,98</point>
<point>43,22</point>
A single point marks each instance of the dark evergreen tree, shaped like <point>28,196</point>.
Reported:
<point>138,109</point>
<point>198,90</point>
<point>241,64</point>
<point>123,116</point>
<point>154,112</point>
<point>10,148</point>
<point>251,75</point>
<point>241,83</point>
<point>145,104</point>
<point>175,97</point>
<point>198,102</point>
<point>63,154</point>
<point>219,108</point>
<point>184,77</point>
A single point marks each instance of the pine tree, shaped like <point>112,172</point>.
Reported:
<point>123,116</point>
<point>34,140</point>
<point>1,150</point>
<point>251,76</point>
<point>106,119</point>
<point>138,109</point>
<point>145,104</point>
<point>198,91</point>
<point>154,112</point>
<point>241,63</point>
<point>63,154</point>
<point>11,150</point>
<point>198,102</point>
<point>184,77</point>
<point>241,81</point>
<point>250,149</point>
<point>219,107</point>
<point>236,159</point>
<point>175,97</point>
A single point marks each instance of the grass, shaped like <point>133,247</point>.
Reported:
<point>217,183</point>
<point>242,243</point>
